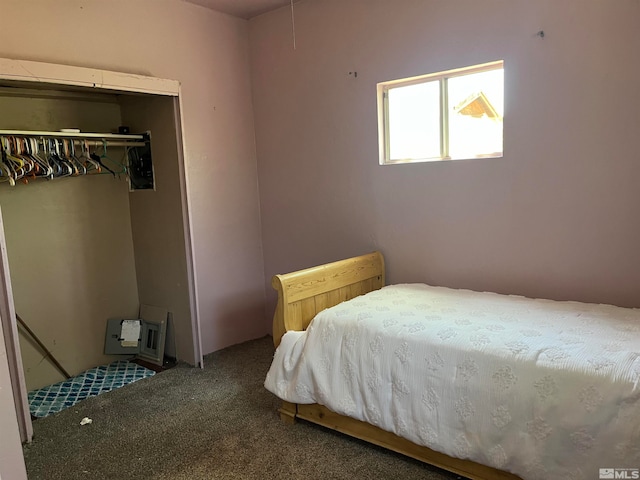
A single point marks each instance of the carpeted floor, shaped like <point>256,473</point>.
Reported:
<point>216,423</point>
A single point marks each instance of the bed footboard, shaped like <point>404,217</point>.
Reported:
<point>302,294</point>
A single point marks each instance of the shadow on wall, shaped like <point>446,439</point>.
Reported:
<point>238,318</point>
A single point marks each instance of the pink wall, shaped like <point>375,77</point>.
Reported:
<point>208,53</point>
<point>557,217</point>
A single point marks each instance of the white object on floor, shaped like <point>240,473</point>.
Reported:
<point>130,333</point>
<point>85,421</point>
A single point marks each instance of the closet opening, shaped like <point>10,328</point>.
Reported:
<point>85,248</point>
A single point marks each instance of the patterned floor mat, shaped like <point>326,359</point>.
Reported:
<point>54,398</point>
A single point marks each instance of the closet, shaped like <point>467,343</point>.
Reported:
<point>84,248</point>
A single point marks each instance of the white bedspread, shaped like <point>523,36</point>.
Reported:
<point>546,390</point>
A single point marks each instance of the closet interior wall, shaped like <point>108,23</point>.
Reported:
<point>70,246</point>
<point>157,222</point>
<point>72,250</point>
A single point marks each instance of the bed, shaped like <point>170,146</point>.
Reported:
<point>484,385</point>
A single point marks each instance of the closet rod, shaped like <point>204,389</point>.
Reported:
<point>106,136</point>
<point>110,143</point>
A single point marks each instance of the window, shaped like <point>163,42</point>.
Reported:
<point>442,116</point>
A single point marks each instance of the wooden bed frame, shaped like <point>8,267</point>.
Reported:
<point>301,295</point>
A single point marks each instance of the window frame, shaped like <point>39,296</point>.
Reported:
<point>442,77</point>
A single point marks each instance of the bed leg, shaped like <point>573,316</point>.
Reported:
<point>288,412</point>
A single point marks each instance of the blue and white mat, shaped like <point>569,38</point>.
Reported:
<point>54,398</point>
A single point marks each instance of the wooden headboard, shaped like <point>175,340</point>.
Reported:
<point>302,294</point>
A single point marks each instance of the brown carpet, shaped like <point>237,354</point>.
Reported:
<point>216,423</point>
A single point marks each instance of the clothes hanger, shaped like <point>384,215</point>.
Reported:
<point>27,158</point>
<point>34,148</point>
<point>20,150</point>
<point>100,159</point>
<point>13,163</point>
<point>18,162</point>
<point>5,174</point>
<point>68,155</point>
<point>89,163</point>
<point>68,167</point>
<point>54,162</point>
<point>4,164</point>
<point>82,170</point>
<point>61,167</point>
<point>119,167</point>
<point>64,156</point>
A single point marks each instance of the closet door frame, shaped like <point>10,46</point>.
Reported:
<point>31,74</point>
<point>11,341</point>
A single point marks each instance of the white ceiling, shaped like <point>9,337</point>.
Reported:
<point>242,8</point>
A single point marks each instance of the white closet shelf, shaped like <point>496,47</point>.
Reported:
<point>97,136</point>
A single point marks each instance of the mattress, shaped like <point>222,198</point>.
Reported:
<point>543,389</point>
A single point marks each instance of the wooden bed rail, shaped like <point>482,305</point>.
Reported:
<point>302,294</point>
